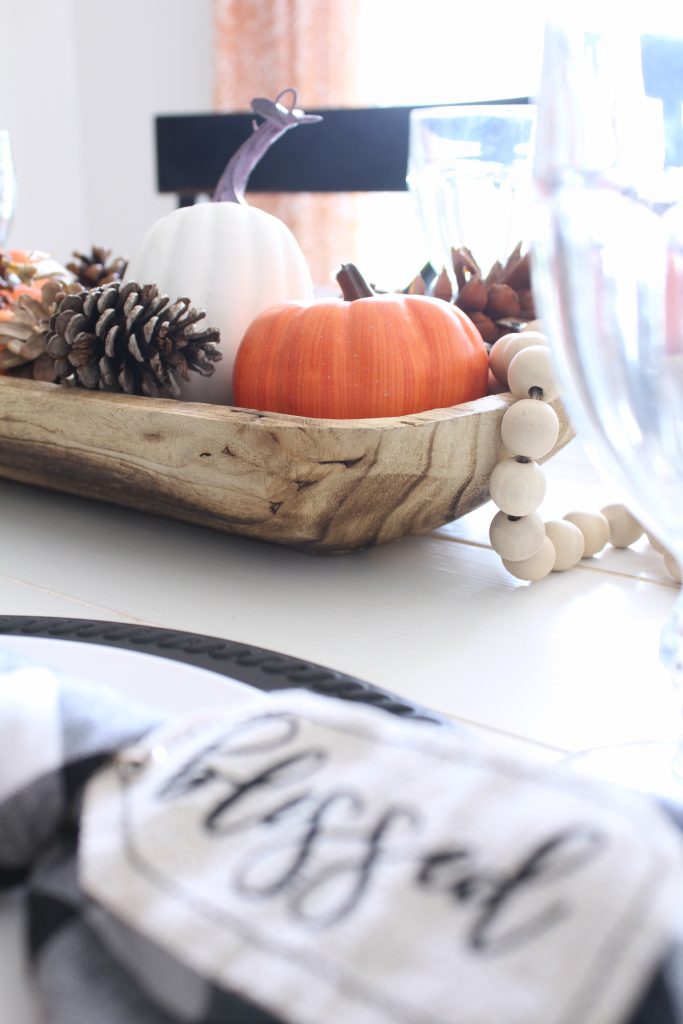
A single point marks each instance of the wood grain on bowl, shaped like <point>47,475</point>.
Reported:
<point>319,485</point>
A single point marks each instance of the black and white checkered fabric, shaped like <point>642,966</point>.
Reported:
<point>89,968</point>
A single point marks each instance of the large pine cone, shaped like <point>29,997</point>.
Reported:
<point>127,337</point>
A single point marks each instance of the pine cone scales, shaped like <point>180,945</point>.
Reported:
<point>124,337</point>
<point>97,268</point>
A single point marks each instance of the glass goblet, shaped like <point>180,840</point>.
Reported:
<point>7,187</point>
<point>608,275</point>
<point>469,173</point>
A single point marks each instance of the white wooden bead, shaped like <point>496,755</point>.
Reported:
<point>535,568</point>
<point>568,542</point>
<point>516,538</point>
<point>595,530</point>
<point>624,529</point>
<point>655,543</point>
<point>672,566</point>
<point>535,325</point>
<point>532,368</point>
<point>517,486</point>
<point>496,365</point>
<point>507,347</point>
<point>517,343</point>
<point>530,428</point>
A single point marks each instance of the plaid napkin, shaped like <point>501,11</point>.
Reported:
<point>89,965</point>
<point>54,734</point>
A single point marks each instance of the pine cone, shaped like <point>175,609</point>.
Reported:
<point>96,268</point>
<point>128,337</point>
<point>22,338</point>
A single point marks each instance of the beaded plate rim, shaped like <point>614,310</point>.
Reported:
<point>259,667</point>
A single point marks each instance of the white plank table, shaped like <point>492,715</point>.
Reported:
<point>569,662</point>
<point>543,669</point>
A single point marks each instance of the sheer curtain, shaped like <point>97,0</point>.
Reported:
<point>370,53</point>
<point>263,47</point>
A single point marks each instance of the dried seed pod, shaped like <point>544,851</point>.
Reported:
<point>502,302</point>
<point>472,297</point>
<point>486,327</point>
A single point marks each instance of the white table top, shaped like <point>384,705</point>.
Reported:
<point>566,663</point>
<point>555,666</point>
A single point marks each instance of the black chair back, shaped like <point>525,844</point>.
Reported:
<point>351,150</point>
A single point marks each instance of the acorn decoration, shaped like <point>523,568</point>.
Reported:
<point>495,302</point>
<point>129,338</point>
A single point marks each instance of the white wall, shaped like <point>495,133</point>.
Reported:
<point>80,83</point>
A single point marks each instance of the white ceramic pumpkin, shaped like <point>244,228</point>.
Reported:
<point>230,259</point>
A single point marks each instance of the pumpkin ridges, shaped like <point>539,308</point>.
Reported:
<point>332,361</point>
<point>435,372</point>
<point>289,369</point>
<point>437,375</point>
<point>474,356</point>
<point>394,359</point>
<point>356,327</point>
<point>404,376</point>
<point>263,375</point>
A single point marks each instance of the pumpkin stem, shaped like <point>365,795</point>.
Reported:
<point>352,283</point>
<point>278,119</point>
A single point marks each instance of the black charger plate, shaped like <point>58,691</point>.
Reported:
<point>256,666</point>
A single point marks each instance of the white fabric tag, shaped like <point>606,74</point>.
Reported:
<point>329,862</point>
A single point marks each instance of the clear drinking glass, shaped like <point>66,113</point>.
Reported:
<point>469,172</point>
<point>608,276</point>
<point>8,187</point>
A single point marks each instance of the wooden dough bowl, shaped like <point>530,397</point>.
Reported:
<point>318,485</point>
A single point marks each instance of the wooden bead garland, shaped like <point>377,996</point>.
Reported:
<point>536,567</point>
<point>530,428</point>
<point>568,542</point>
<point>517,486</point>
<point>624,529</point>
<point>595,529</point>
<point>531,368</point>
<point>502,355</point>
<point>529,548</point>
<point>516,537</point>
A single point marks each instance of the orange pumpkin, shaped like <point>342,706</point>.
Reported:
<point>364,356</point>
